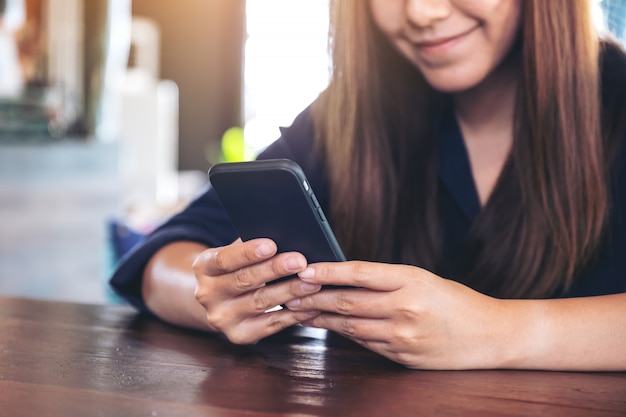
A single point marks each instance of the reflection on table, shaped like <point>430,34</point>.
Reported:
<point>79,360</point>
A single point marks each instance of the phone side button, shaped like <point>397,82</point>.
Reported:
<point>320,214</point>
<point>314,200</point>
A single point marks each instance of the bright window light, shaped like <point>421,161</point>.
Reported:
<point>286,64</point>
<point>610,16</point>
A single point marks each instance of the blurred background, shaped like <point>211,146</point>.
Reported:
<point>112,111</point>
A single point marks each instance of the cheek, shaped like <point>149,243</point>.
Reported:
<point>502,27</point>
<point>505,37</point>
<point>502,17</point>
<point>507,17</point>
<point>387,14</point>
<point>489,8</point>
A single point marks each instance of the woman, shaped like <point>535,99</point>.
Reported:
<point>471,152</point>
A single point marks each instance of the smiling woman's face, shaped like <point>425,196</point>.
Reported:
<point>456,44</point>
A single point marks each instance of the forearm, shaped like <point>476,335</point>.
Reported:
<point>169,283</point>
<point>577,334</point>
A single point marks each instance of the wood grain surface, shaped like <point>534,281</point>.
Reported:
<point>63,359</point>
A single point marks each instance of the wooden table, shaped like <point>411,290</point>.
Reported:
<point>61,359</point>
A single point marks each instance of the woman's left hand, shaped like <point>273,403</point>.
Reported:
<point>409,315</point>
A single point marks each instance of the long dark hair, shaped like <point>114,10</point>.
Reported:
<point>547,214</point>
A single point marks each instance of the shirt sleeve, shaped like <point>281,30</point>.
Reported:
<point>205,221</point>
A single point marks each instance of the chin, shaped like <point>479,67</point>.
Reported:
<point>451,86</point>
<point>453,81</point>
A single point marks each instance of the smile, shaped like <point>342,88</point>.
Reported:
<point>442,44</point>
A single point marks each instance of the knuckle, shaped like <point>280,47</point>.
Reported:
<point>219,261</point>
<point>277,323</point>
<point>249,252</point>
<point>277,268</point>
<point>217,318</point>
<point>201,294</point>
<point>201,265</point>
<point>344,304</point>
<point>243,279</point>
<point>404,336</point>
<point>418,279</point>
<point>295,288</point>
<point>348,327</point>
<point>322,272</point>
<point>280,265</point>
<point>206,290</point>
<point>198,266</point>
<point>361,273</point>
<point>260,301</point>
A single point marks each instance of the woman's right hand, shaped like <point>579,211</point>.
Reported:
<point>231,286</point>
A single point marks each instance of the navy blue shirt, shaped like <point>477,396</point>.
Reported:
<point>205,221</point>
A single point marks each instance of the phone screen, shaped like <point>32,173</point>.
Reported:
<point>273,199</point>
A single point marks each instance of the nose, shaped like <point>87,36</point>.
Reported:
<point>424,13</point>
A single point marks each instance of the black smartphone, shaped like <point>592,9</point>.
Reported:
<point>273,199</point>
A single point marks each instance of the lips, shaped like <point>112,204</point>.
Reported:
<point>442,42</point>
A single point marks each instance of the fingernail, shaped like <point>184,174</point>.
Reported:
<point>293,303</point>
<point>294,263</point>
<point>264,249</point>
<point>307,273</point>
<point>308,287</point>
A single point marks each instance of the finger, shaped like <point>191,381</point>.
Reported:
<point>347,302</point>
<point>371,334</point>
<point>375,276</point>
<point>257,275</point>
<point>226,259</point>
<point>232,311</point>
<point>258,327</point>
<point>360,329</point>
<point>267,297</point>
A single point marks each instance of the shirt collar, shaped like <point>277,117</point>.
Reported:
<point>454,166</point>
